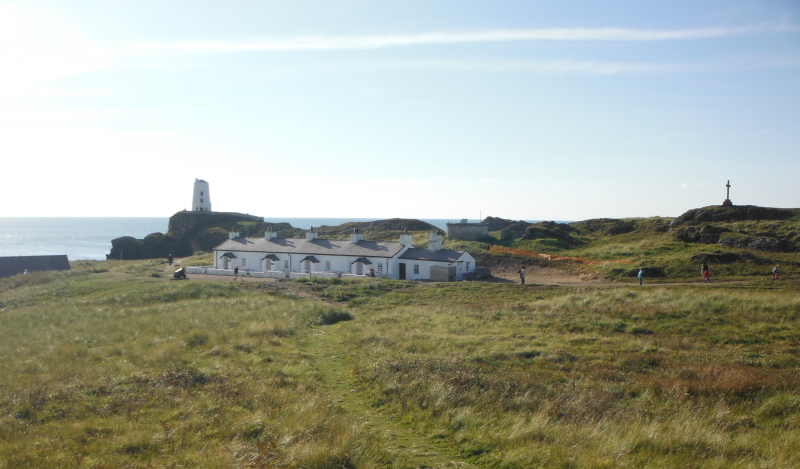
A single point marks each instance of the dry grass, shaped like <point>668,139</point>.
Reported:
<point>108,366</point>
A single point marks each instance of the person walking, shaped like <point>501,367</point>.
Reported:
<point>775,272</point>
<point>236,272</point>
<point>169,258</point>
<point>521,273</point>
<point>641,275</point>
<point>706,273</point>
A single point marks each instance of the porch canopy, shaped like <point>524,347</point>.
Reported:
<point>271,257</point>
<point>229,255</point>
<point>310,258</point>
<point>363,260</point>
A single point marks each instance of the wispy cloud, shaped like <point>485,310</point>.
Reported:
<point>498,35</point>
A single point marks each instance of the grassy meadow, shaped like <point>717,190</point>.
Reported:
<point>113,365</point>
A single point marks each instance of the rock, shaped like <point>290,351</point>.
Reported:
<point>716,213</point>
<point>760,243</point>
<point>652,272</point>
<point>707,234</point>
<point>612,226</point>
<point>730,258</point>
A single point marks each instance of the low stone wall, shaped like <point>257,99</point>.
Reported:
<point>325,274</point>
<point>212,271</point>
<point>269,274</point>
<point>198,269</point>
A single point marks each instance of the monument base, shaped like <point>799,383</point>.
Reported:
<point>727,203</point>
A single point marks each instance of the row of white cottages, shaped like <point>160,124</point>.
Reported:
<point>276,257</point>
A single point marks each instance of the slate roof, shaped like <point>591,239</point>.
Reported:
<point>325,247</point>
<point>443,255</point>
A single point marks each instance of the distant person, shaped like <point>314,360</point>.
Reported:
<point>641,275</point>
<point>521,273</point>
<point>371,272</point>
<point>169,258</point>
<point>775,272</point>
<point>26,272</point>
<point>706,274</point>
<point>236,272</point>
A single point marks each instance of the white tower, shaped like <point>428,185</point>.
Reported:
<point>201,201</point>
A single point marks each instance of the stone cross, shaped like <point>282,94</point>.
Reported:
<point>727,202</point>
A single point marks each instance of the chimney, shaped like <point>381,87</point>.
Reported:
<point>269,234</point>
<point>233,234</point>
<point>355,236</point>
<point>434,241</point>
<point>310,235</point>
<point>406,239</point>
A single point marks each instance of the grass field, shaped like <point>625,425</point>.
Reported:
<point>112,365</point>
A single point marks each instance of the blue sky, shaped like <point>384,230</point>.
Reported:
<point>563,110</point>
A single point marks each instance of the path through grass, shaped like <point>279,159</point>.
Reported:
<point>327,351</point>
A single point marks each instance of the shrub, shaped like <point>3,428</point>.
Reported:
<point>329,317</point>
<point>197,339</point>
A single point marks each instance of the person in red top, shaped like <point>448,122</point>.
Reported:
<point>706,274</point>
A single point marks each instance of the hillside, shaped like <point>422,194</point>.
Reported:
<point>738,242</point>
<point>111,364</point>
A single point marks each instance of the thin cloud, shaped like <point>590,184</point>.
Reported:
<point>499,35</point>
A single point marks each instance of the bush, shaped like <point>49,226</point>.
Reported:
<point>326,318</point>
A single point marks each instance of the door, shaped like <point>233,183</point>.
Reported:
<point>225,262</point>
<point>359,268</point>
<point>402,271</point>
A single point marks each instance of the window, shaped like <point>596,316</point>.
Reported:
<point>201,200</point>
<point>285,264</point>
<point>380,267</point>
<point>327,265</point>
<point>244,262</point>
<point>416,268</point>
<point>350,268</point>
<point>467,266</point>
<point>201,192</point>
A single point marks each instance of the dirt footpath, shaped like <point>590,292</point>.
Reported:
<point>505,268</point>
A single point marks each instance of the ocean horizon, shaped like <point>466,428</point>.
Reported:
<point>89,238</point>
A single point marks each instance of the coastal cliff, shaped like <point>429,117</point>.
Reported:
<point>190,232</point>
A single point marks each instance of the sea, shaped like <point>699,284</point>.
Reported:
<point>90,238</point>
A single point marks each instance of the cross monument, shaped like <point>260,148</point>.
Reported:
<point>727,202</point>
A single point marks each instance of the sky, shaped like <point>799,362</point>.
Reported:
<point>535,110</point>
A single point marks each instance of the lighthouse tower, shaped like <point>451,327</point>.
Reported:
<point>201,200</point>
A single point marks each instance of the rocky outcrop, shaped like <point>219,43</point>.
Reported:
<point>611,226</point>
<point>719,257</point>
<point>762,244</point>
<point>733,213</point>
<point>499,224</point>
<point>707,234</point>
<point>649,272</point>
<point>549,229</point>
